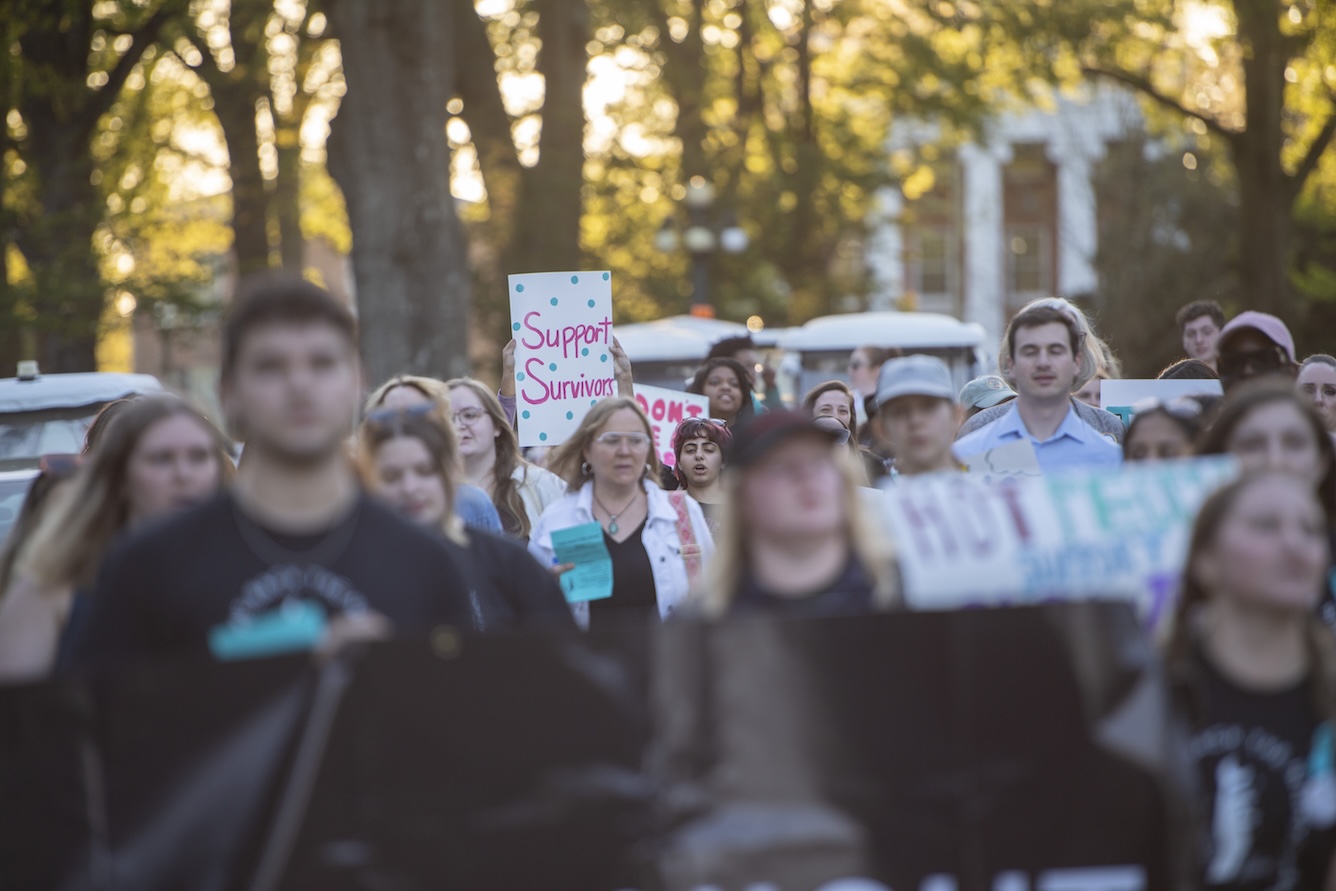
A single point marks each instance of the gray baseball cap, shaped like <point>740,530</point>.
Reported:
<point>985,392</point>
<point>915,375</point>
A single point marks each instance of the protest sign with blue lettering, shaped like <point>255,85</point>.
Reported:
<point>1064,536</point>
<point>562,322</point>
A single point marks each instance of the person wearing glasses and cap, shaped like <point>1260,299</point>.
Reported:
<point>658,541</point>
<point>1252,345</point>
<point>984,392</point>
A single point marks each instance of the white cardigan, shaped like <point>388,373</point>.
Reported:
<point>659,537</point>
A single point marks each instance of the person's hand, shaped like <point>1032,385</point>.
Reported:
<point>508,370</point>
<point>561,569</point>
<point>621,370</point>
<point>768,376</point>
<point>345,630</point>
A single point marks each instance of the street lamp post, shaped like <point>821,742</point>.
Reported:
<point>701,238</point>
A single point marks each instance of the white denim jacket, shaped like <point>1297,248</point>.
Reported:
<point>659,537</point>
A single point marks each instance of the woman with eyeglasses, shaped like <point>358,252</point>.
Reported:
<point>699,445</point>
<point>408,460</point>
<point>1317,381</point>
<point>428,396</point>
<point>1253,674</point>
<point>491,457</point>
<point>658,541</point>
<point>728,385</point>
<point>160,456</point>
<point>1162,431</point>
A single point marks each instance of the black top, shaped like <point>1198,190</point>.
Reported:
<point>510,589</point>
<point>634,596</point>
<point>1264,762</point>
<point>711,513</point>
<point>848,594</point>
<point>163,589</point>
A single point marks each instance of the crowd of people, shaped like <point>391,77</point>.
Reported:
<point>349,518</point>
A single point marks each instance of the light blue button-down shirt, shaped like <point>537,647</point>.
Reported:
<point>1074,444</point>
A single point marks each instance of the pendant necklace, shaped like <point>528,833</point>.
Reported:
<point>612,517</point>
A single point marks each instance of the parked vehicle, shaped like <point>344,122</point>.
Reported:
<point>48,414</point>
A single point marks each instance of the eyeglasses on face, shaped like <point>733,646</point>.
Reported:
<point>1234,363</point>
<point>467,417</point>
<point>615,440</point>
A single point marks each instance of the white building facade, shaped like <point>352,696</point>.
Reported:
<point>1008,219</point>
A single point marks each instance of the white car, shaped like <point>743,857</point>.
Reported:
<point>48,414</point>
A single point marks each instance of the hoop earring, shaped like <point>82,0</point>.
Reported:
<point>649,469</point>
<point>584,468</point>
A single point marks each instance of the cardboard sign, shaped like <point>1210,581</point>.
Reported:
<point>666,409</point>
<point>1006,461</point>
<point>1065,536</point>
<point>563,350</point>
<point>1119,396</point>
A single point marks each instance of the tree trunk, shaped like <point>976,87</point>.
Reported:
<point>285,201</point>
<point>548,237</point>
<point>389,155</point>
<point>1265,221</point>
<point>234,104</point>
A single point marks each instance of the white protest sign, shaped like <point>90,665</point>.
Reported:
<point>1119,396</point>
<point>666,409</point>
<point>1065,536</point>
<point>1010,460</point>
<point>563,350</point>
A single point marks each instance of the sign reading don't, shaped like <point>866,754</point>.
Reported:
<point>562,323</point>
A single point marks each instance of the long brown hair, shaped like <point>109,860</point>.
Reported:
<point>1193,596</point>
<point>1252,395</point>
<point>438,439</point>
<point>568,460</point>
<point>505,493</point>
<point>809,404</point>
<point>69,543</point>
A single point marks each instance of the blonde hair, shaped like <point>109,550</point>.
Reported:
<point>1092,348</point>
<point>439,441</point>
<point>870,546</point>
<point>568,461</point>
<point>85,516</point>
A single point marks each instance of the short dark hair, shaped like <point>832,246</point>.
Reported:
<point>729,347</point>
<point>1037,317</point>
<point>283,299</point>
<point>1198,308</point>
<point>1319,359</point>
<point>1189,370</point>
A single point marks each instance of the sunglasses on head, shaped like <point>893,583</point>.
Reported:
<point>1183,407</point>
<point>383,416</point>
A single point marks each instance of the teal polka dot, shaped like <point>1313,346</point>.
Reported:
<point>570,416</point>
<point>553,301</point>
<point>525,414</point>
<point>519,288</point>
<point>575,279</point>
<point>591,304</point>
<point>585,351</point>
<point>515,327</point>
<point>519,376</point>
<point>593,402</point>
<point>606,276</point>
<point>542,437</point>
<point>552,366</point>
<point>603,358</point>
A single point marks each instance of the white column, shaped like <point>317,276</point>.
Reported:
<point>1078,223</point>
<point>985,263</point>
<point>886,251</point>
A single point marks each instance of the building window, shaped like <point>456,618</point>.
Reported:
<point>1028,263</point>
<point>935,261</point>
